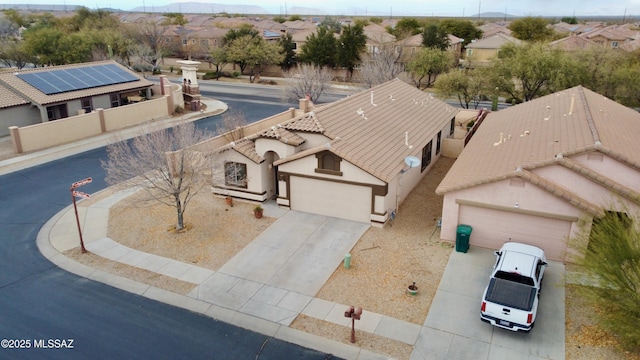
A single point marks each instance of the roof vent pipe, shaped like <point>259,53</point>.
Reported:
<point>573,100</point>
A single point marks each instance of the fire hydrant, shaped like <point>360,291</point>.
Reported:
<point>354,314</point>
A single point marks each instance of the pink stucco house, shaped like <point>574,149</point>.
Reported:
<point>542,171</point>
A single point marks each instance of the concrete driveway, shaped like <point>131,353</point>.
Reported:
<point>453,329</point>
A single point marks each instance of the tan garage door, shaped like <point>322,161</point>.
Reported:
<point>331,198</point>
<point>492,228</point>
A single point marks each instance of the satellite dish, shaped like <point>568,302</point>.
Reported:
<point>412,161</point>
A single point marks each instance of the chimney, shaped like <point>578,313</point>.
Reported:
<point>304,105</point>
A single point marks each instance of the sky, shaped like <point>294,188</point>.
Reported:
<point>458,8</point>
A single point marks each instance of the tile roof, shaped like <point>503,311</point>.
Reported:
<point>493,42</point>
<point>572,42</point>
<point>8,98</point>
<point>371,126</point>
<point>245,147</point>
<point>281,134</point>
<point>10,80</point>
<point>534,134</point>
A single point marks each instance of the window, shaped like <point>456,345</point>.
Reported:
<point>115,102</point>
<point>328,163</point>
<point>184,41</point>
<point>614,44</point>
<point>235,174</point>
<point>469,52</point>
<point>86,104</point>
<point>193,41</point>
<point>438,143</point>
<point>453,127</point>
<point>426,155</point>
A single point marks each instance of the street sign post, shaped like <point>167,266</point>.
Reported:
<point>83,195</point>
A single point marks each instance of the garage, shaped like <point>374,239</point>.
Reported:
<point>347,201</point>
<point>491,228</point>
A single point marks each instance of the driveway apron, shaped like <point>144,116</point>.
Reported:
<point>278,274</point>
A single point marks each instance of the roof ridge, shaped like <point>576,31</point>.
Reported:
<point>598,178</point>
<point>589,118</point>
<point>560,191</point>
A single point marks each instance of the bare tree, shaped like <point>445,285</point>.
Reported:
<point>381,67</point>
<point>306,80</point>
<point>232,125</point>
<point>161,164</point>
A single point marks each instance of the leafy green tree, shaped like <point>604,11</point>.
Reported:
<point>531,29</point>
<point>468,86</point>
<point>627,79</point>
<point>175,19</point>
<point>295,18</point>
<point>12,53</point>
<point>288,47</point>
<point>598,66</point>
<point>279,19</point>
<point>243,30</point>
<point>218,58</point>
<point>15,17</point>
<point>435,37</point>
<point>44,44</point>
<point>612,261</point>
<point>429,62</point>
<point>569,20</point>
<point>532,70</point>
<point>375,20</point>
<point>252,53</point>
<point>332,24</point>
<point>351,44</point>
<point>405,27</point>
<point>320,48</point>
<point>463,29</point>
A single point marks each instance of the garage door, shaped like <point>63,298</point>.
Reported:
<point>341,200</point>
<point>492,228</point>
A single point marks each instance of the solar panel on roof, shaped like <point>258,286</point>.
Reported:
<point>87,77</point>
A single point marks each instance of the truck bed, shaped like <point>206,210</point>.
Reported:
<point>511,294</point>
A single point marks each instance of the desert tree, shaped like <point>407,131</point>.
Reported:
<point>320,48</point>
<point>468,86</point>
<point>288,50</point>
<point>306,80</point>
<point>381,67</point>
<point>351,44</point>
<point>232,125</point>
<point>610,264</point>
<point>429,63</point>
<point>253,53</point>
<point>435,37</point>
<point>531,28</point>
<point>533,70</point>
<point>161,164</point>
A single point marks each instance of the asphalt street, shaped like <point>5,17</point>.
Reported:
<point>45,310</point>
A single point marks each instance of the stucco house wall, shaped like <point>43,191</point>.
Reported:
<point>22,115</point>
<point>569,159</point>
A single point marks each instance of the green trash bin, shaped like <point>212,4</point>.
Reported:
<point>462,238</point>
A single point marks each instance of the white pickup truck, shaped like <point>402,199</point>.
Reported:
<point>510,301</point>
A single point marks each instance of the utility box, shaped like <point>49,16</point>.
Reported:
<point>462,238</point>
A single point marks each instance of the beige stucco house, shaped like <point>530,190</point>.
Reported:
<point>541,171</point>
<point>486,49</point>
<point>346,159</point>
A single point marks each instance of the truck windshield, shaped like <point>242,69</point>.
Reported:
<point>525,280</point>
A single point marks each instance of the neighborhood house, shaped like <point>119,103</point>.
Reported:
<point>542,171</point>
<point>355,158</point>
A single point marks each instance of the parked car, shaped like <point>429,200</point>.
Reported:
<point>510,301</point>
